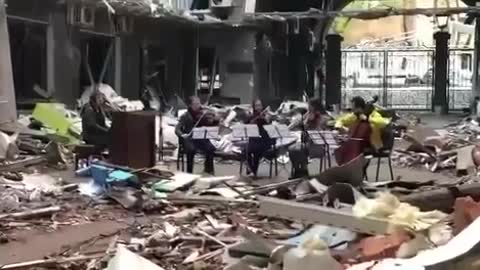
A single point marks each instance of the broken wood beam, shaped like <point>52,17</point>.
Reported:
<point>32,213</point>
<point>49,262</point>
<point>340,218</point>
<point>195,200</point>
<point>271,187</point>
<point>442,199</point>
<point>19,165</point>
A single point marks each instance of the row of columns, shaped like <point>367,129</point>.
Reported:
<point>333,74</point>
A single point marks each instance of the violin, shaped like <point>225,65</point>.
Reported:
<point>358,140</point>
<point>262,115</point>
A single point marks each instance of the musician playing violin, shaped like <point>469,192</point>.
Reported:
<point>316,118</point>
<point>196,117</point>
<point>364,126</point>
<point>257,147</point>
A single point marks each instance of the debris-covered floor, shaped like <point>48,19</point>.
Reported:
<point>102,216</point>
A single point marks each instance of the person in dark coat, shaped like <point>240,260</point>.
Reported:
<point>196,117</point>
<point>94,128</point>
<point>258,147</point>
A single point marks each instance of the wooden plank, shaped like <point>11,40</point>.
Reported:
<point>310,213</point>
<point>50,262</point>
<point>464,158</point>
<point>35,213</point>
<point>19,165</point>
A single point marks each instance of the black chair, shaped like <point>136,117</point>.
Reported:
<point>271,156</point>
<point>388,138</point>
<point>181,155</point>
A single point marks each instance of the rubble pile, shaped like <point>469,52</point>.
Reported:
<point>106,216</point>
<point>174,220</point>
<point>454,147</point>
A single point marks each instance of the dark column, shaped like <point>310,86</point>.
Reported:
<point>190,62</point>
<point>476,69</point>
<point>440,95</point>
<point>130,68</point>
<point>333,80</point>
<point>8,111</point>
<point>67,59</point>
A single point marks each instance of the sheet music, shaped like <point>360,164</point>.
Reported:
<point>330,139</point>
<point>200,133</point>
<point>277,131</point>
<point>212,132</point>
<point>252,131</point>
<point>245,131</point>
<point>316,137</point>
<point>271,131</point>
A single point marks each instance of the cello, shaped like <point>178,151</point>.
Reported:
<point>358,140</point>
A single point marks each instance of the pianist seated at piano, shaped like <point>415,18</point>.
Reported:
<point>362,139</point>
<point>316,118</point>
<point>196,116</point>
<point>94,129</point>
<point>257,147</point>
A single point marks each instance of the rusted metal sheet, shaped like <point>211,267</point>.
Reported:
<point>8,111</point>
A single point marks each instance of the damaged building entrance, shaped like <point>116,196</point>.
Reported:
<point>208,74</point>
<point>28,45</point>
<point>98,54</point>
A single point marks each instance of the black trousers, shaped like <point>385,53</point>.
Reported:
<point>256,150</point>
<point>204,146</point>
<point>99,140</point>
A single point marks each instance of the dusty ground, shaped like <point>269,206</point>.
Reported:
<point>37,243</point>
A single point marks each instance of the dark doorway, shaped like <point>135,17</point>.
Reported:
<point>94,52</point>
<point>28,47</point>
<point>209,75</point>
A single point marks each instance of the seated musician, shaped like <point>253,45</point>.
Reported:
<point>372,133</point>
<point>257,147</point>
<point>316,118</point>
<point>196,117</point>
<point>94,128</point>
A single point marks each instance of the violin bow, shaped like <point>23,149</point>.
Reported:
<point>197,123</point>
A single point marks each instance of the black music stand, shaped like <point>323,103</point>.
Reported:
<point>244,133</point>
<point>277,132</point>
<point>327,139</point>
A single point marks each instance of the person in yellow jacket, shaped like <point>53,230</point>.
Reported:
<point>363,111</point>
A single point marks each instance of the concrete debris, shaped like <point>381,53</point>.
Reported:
<point>158,218</point>
<point>112,98</point>
<point>452,148</point>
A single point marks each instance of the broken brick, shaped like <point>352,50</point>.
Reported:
<point>466,210</point>
<point>381,246</point>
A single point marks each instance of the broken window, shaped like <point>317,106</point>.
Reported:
<point>404,63</point>
<point>208,72</point>
<point>466,61</point>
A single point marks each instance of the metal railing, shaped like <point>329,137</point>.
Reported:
<point>403,78</point>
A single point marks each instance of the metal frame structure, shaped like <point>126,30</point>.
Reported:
<point>403,78</point>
